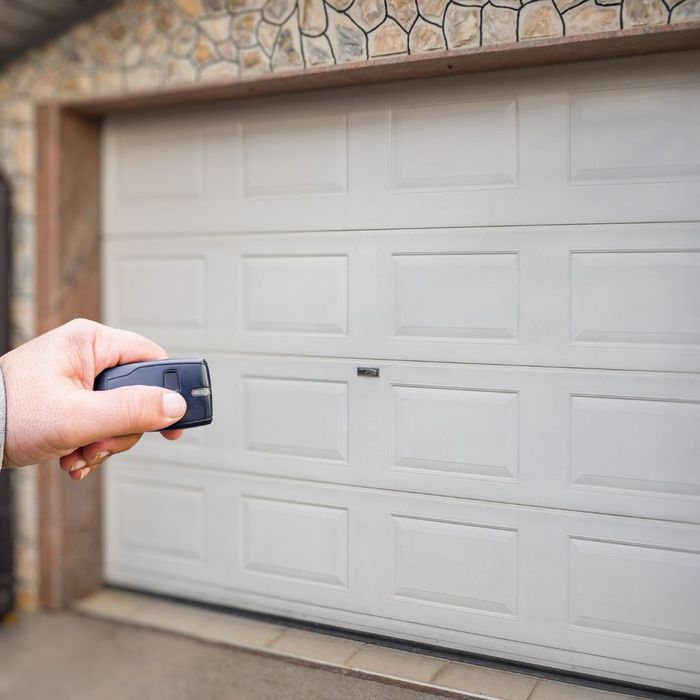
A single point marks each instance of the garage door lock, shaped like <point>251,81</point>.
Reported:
<point>368,371</point>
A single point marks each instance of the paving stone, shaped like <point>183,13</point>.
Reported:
<point>397,664</point>
<point>319,647</point>
<point>485,682</point>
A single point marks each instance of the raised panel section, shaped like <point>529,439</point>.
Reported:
<point>295,417</point>
<point>455,145</point>
<point>644,445</point>
<point>658,590</point>
<point>296,294</point>
<point>161,291</point>
<point>456,564</point>
<point>472,296</point>
<point>159,165</point>
<point>473,433</point>
<point>301,541</point>
<point>640,297</point>
<point>304,156</point>
<point>634,134</point>
<point>162,519</point>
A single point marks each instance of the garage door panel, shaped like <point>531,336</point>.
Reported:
<point>162,522</point>
<point>296,294</point>
<point>641,571</point>
<point>636,298</point>
<point>169,290</point>
<point>585,440</point>
<point>471,296</point>
<point>612,296</point>
<point>648,445</point>
<point>464,151</point>
<point>620,135</point>
<point>532,576</point>
<point>471,144</point>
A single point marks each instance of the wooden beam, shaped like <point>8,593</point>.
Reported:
<point>627,42</point>
<point>68,286</point>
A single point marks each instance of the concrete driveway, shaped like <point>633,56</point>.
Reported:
<point>68,655</point>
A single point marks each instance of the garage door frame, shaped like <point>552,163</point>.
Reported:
<point>68,229</point>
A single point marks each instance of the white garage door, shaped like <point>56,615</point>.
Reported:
<point>518,256</point>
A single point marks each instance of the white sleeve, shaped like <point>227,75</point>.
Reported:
<point>2,418</point>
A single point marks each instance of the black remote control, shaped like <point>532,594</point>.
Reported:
<point>190,378</point>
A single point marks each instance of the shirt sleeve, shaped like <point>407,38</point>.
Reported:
<point>2,419</point>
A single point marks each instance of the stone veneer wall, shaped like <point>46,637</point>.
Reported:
<point>138,45</point>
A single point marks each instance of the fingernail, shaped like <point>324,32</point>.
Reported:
<point>173,405</point>
<point>102,455</point>
<point>78,465</point>
<point>83,475</point>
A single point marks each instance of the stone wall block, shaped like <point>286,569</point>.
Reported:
<point>166,18</point>
<point>589,18</point>
<point>157,50</point>
<point>278,11</point>
<point>191,8</point>
<point>243,29</point>
<point>425,37</point>
<point>347,39</point>
<point>253,62</point>
<point>388,39</point>
<point>686,11</point>
<point>340,5</point>
<point>462,26</point>
<point>432,10</point>
<point>368,14</point>
<point>312,17</point>
<point>267,35</point>
<point>403,11</point>
<point>204,51</point>
<point>179,71</point>
<point>221,71</point>
<point>636,13</point>
<point>236,6</point>
<point>317,51</point>
<point>499,25</point>
<point>540,19</point>
<point>287,52</point>
<point>143,78</point>
<point>217,28</point>
<point>184,41</point>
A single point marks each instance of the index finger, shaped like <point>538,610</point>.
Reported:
<point>114,346</point>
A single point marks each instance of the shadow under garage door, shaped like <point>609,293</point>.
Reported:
<point>518,256</point>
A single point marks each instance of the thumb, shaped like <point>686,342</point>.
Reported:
<point>128,410</point>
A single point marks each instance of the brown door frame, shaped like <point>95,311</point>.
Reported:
<point>68,232</point>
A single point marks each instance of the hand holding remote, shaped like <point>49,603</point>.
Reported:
<point>52,410</point>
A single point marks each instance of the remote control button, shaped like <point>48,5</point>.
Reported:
<point>171,379</point>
